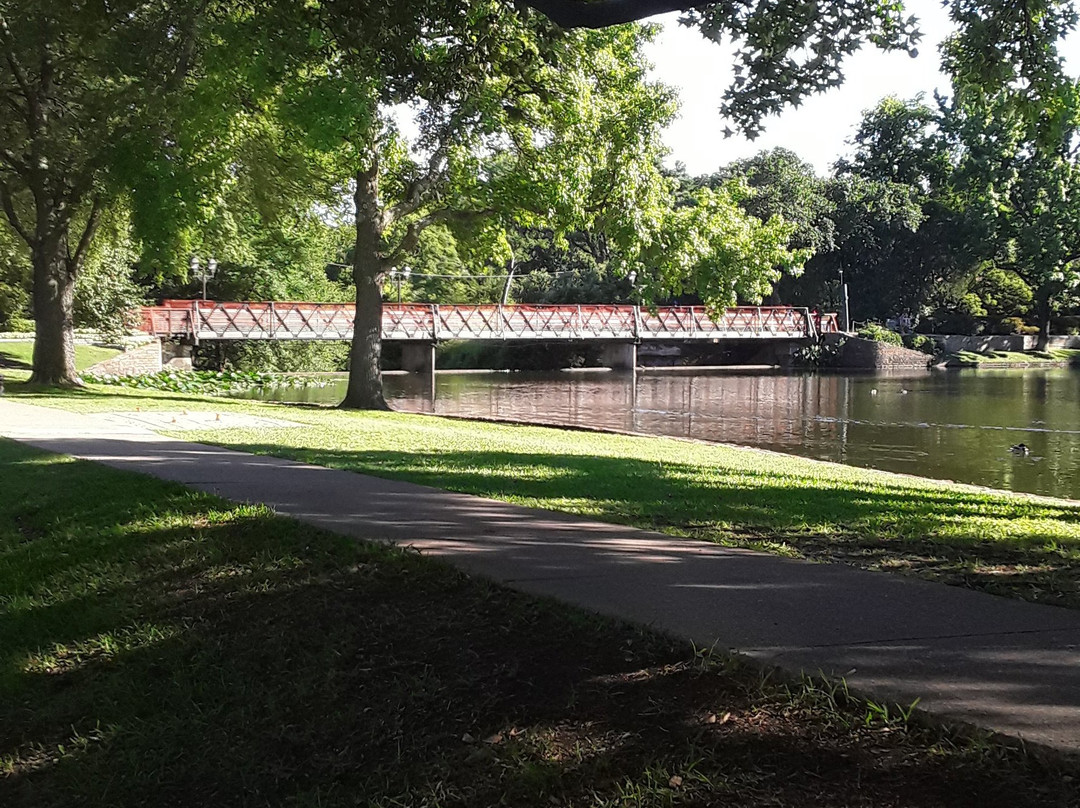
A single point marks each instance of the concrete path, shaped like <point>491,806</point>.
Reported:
<point>1005,665</point>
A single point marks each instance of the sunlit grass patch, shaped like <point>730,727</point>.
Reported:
<point>158,645</point>
<point>714,492</point>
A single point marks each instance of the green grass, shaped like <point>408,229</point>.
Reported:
<point>160,646</point>
<point>1013,358</point>
<point>16,358</point>
<point>1008,544</point>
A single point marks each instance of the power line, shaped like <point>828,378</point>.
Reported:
<point>466,276</point>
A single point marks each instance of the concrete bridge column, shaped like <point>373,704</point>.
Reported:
<point>619,355</point>
<point>418,357</point>
<point>177,354</point>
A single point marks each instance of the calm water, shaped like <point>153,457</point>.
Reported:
<point>955,425</point>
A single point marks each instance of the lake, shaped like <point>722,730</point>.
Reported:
<point>956,425</point>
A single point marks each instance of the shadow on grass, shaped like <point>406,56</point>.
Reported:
<point>1027,549</point>
<point>10,360</point>
<point>160,646</point>
<point>115,398</point>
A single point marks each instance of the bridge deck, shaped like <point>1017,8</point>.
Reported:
<point>211,320</point>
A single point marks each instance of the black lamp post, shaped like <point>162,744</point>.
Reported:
<point>203,273</point>
<point>398,275</point>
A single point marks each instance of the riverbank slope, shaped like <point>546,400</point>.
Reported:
<point>1012,544</point>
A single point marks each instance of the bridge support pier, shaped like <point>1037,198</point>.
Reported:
<point>619,355</point>
<point>418,357</point>
<point>177,354</point>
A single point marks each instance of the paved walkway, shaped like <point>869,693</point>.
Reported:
<point>1003,664</point>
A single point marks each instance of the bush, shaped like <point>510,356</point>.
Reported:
<point>880,333</point>
<point>921,342</point>
<point>205,382</point>
<point>275,357</point>
<point>106,297</point>
<point>20,325</point>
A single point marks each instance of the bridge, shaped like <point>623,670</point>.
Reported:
<point>424,325</point>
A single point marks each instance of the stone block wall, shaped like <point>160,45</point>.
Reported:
<point>952,343</point>
<point>864,354</point>
<point>135,361</point>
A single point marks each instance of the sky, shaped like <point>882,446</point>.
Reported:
<point>818,130</point>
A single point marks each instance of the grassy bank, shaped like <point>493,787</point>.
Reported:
<point>159,646</point>
<point>16,358</point>
<point>1007,544</point>
<point>1053,357</point>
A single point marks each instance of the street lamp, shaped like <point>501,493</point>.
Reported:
<point>844,318</point>
<point>398,275</point>
<point>204,273</point>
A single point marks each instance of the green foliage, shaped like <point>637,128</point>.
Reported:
<point>204,382</point>
<point>921,342</point>
<point>14,278</point>
<point>1017,114</point>
<point>1003,293</point>
<point>713,248</point>
<point>875,222</point>
<point>788,52</point>
<point>879,333</point>
<point>902,141</point>
<point>783,185</point>
<point>272,356</point>
<point>106,296</point>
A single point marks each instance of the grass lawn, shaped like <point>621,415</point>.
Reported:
<point>1013,358</point>
<point>16,358</point>
<point>1008,544</point>
<point>160,646</point>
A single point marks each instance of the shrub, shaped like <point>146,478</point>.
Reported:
<point>880,333</point>
<point>20,325</point>
<point>921,342</point>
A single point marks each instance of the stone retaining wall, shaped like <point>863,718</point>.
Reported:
<point>953,343</point>
<point>857,353</point>
<point>135,361</point>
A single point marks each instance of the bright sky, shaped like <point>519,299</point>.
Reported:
<point>819,129</point>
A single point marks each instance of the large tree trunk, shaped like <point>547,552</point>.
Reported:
<point>1042,311</point>
<point>54,334</point>
<point>365,374</point>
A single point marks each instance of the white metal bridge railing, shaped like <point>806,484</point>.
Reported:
<point>202,320</point>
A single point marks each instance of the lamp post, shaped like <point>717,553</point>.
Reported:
<point>398,275</point>
<point>203,273</point>
<point>845,321</point>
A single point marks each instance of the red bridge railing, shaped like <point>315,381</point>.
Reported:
<point>202,319</point>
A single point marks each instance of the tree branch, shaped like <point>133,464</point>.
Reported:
<point>602,13</point>
<point>417,191</point>
<point>9,53</point>
<point>187,48</point>
<point>411,239</point>
<point>92,221</point>
<point>12,216</point>
<point>17,165</point>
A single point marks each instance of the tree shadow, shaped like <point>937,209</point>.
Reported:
<point>10,361</point>
<point>289,666</point>
<point>1025,548</point>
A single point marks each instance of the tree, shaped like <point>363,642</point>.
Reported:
<point>783,185</point>
<point>1017,115</point>
<point>786,51</point>
<point>14,277</point>
<point>902,141</point>
<point>519,125</point>
<point>906,143</point>
<point>73,83</point>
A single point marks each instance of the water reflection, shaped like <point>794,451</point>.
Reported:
<point>950,425</point>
